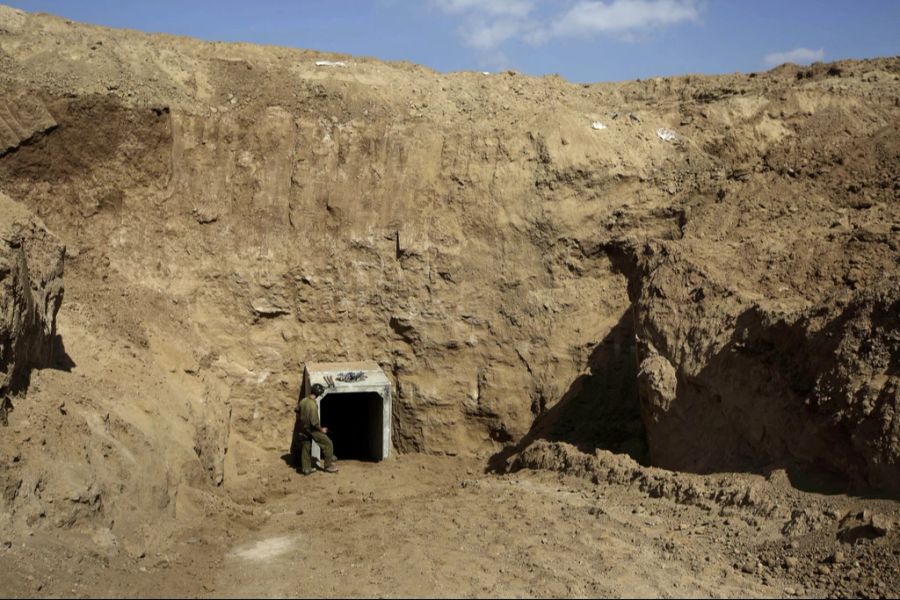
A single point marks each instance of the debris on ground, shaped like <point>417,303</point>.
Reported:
<point>666,135</point>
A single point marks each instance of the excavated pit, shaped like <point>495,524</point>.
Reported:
<point>536,293</point>
<point>592,400</point>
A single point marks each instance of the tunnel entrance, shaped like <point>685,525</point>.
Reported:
<point>356,408</point>
<point>354,424</point>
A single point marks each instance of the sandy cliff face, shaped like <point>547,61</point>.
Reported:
<point>31,291</point>
<point>728,383</point>
<point>231,212</point>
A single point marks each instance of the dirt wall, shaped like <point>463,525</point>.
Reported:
<point>728,384</point>
<point>31,292</point>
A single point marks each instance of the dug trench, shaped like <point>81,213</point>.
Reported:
<point>621,365</point>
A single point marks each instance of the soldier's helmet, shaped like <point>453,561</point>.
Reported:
<point>317,389</point>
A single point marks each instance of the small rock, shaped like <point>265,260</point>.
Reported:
<point>265,308</point>
<point>791,562</point>
<point>299,511</point>
<point>837,557</point>
<point>880,524</point>
<point>834,514</point>
<point>205,215</point>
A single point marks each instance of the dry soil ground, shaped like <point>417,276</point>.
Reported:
<point>414,526</point>
<point>420,526</point>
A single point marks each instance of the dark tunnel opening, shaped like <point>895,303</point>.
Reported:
<point>354,422</point>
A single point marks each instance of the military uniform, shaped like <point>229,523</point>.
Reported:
<point>309,431</point>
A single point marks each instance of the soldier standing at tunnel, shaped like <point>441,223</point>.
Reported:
<point>310,430</point>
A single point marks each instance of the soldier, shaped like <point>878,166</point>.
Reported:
<point>310,430</point>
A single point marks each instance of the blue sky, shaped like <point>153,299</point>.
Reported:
<point>582,40</point>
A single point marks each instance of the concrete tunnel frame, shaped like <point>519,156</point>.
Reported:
<point>375,383</point>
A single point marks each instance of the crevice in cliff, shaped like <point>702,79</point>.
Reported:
<point>599,409</point>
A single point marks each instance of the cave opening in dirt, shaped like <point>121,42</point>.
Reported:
<point>354,422</point>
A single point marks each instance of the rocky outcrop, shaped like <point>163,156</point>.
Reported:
<point>31,291</point>
<point>729,382</point>
<point>22,119</point>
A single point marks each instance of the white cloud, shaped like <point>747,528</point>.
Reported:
<point>498,8</point>
<point>485,35</point>
<point>590,17</point>
<point>800,56</point>
<point>487,24</point>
